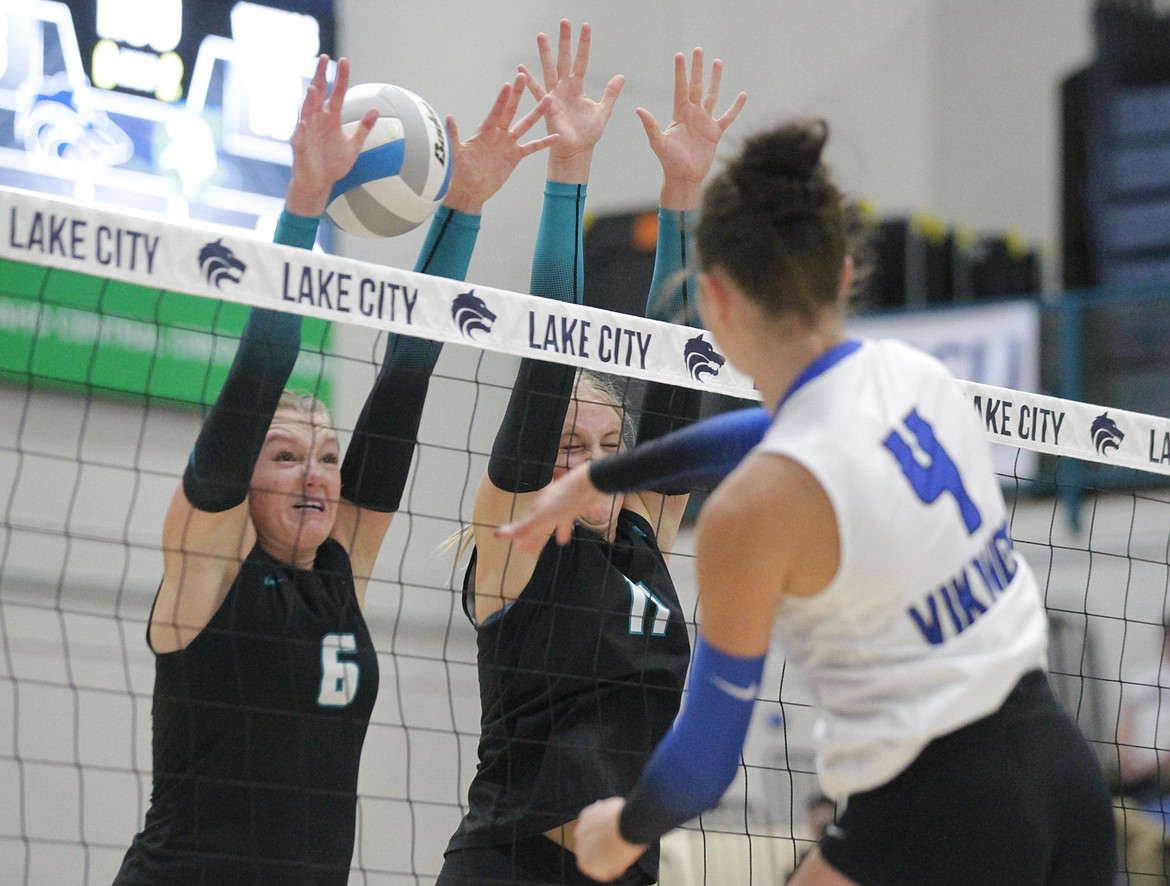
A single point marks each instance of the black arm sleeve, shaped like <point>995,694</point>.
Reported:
<point>377,462</point>
<point>221,463</point>
<point>525,449</point>
<point>220,466</point>
<point>696,457</point>
<point>667,408</point>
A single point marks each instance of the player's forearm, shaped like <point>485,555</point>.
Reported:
<point>558,261</point>
<point>694,457</point>
<point>526,444</point>
<point>696,761</point>
<point>668,408</point>
<point>377,462</point>
<point>220,465</point>
<point>672,296</point>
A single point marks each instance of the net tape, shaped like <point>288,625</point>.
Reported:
<point>232,267</point>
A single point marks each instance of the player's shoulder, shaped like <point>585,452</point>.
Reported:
<point>894,368</point>
<point>768,512</point>
<point>766,485</point>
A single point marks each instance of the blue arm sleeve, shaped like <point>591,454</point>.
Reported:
<point>696,457</point>
<point>221,462</point>
<point>525,448</point>
<point>377,462</point>
<point>696,761</point>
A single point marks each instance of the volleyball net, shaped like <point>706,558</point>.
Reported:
<point>116,330</point>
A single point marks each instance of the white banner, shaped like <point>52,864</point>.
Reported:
<point>996,342</point>
<point>214,264</point>
<point>1073,429</point>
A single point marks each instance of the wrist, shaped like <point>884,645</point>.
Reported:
<point>679,194</point>
<point>573,169</point>
<point>305,198</point>
<point>465,202</point>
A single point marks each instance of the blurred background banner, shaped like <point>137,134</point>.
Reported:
<point>172,108</point>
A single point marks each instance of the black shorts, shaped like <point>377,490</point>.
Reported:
<point>1014,799</point>
<point>536,861</point>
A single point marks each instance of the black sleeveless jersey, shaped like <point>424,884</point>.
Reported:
<point>579,679</point>
<point>258,731</point>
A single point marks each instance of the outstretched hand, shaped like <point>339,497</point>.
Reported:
<point>323,151</point>
<point>553,511</point>
<point>577,119</point>
<point>686,148</point>
<point>482,164</point>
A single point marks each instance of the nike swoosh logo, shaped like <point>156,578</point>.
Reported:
<point>741,693</point>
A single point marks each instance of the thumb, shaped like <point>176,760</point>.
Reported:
<point>453,131</point>
<point>649,124</point>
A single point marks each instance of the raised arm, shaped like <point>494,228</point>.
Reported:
<point>686,150</point>
<point>662,470</point>
<point>207,530</point>
<point>377,462</point>
<point>528,441</point>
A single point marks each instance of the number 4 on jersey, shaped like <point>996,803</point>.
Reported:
<point>938,475</point>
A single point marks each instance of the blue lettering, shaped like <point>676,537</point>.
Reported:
<point>1004,552</point>
<point>972,608</point>
<point>987,573</point>
<point>951,609</point>
<point>938,475</point>
<point>995,565</point>
<point>931,630</point>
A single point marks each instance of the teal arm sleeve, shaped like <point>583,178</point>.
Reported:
<point>672,293</point>
<point>296,230</point>
<point>558,262</point>
<point>526,444</point>
<point>377,462</point>
<point>667,408</point>
<point>221,462</point>
<point>446,252</point>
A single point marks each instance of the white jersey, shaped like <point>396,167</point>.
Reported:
<point>933,615</point>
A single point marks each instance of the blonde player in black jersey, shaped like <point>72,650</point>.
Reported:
<point>866,528</point>
<point>265,672</point>
<point>582,650</point>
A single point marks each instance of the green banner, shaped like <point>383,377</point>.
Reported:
<point>65,329</point>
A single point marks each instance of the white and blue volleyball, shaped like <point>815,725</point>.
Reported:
<point>404,168</point>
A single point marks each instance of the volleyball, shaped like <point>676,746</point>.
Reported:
<point>403,170</point>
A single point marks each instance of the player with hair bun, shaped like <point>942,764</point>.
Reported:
<point>862,523</point>
<point>582,650</point>
<point>265,672</point>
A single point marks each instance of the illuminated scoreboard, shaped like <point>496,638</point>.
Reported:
<point>177,107</point>
<point>180,109</point>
